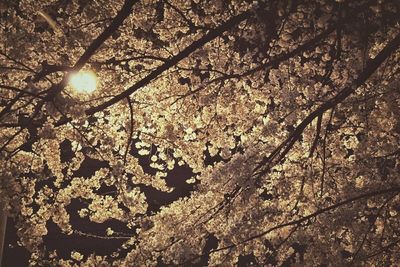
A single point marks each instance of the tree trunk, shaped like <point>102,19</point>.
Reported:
<point>3,223</point>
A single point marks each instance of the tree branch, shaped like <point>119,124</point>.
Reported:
<point>298,222</point>
<point>211,35</point>
<point>371,67</point>
<point>89,52</point>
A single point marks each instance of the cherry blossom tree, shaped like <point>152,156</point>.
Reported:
<point>285,112</point>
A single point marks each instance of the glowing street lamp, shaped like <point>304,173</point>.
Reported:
<point>83,81</point>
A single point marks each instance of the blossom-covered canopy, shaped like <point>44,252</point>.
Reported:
<point>285,114</point>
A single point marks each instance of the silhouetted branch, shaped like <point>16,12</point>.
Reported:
<point>370,68</point>
<point>211,35</point>
<point>129,142</point>
<point>124,12</point>
<point>298,222</point>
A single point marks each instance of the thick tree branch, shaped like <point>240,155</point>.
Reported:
<point>56,89</point>
<point>211,35</point>
<point>317,135</point>
<point>95,45</point>
<point>3,224</point>
<point>129,142</point>
<point>371,67</point>
<point>115,24</point>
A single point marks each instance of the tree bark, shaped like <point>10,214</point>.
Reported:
<point>3,224</point>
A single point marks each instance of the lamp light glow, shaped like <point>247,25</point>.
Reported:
<point>83,81</point>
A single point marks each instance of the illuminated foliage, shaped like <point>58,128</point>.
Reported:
<point>296,103</point>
